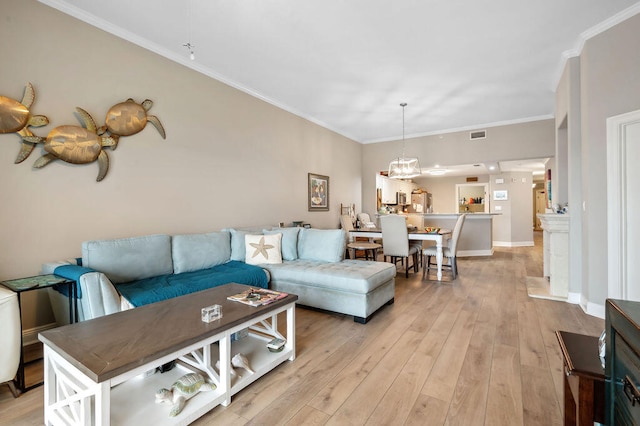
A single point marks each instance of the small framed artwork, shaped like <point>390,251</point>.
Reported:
<point>500,195</point>
<point>318,187</point>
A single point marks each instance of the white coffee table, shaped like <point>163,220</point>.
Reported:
<point>94,365</point>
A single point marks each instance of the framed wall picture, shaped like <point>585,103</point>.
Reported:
<point>500,195</point>
<point>318,187</point>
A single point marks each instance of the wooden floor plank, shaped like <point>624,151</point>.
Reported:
<point>366,397</point>
<point>356,370</point>
<point>399,400</point>
<point>427,411</point>
<point>540,404</point>
<point>308,416</point>
<point>444,374</point>
<point>504,402</point>
<point>532,349</point>
<point>470,395</point>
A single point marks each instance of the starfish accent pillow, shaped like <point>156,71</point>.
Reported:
<point>263,249</point>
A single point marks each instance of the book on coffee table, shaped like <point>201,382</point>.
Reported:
<point>258,296</point>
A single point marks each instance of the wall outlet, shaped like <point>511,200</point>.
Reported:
<point>498,208</point>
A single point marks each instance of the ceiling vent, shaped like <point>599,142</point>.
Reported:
<point>478,134</point>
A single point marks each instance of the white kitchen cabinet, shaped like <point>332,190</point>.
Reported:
<point>392,186</point>
<point>389,189</point>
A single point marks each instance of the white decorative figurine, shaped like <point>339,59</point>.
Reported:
<point>241,361</point>
<point>232,372</point>
<point>183,389</point>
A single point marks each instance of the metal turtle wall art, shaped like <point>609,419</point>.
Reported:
<point>129,117</point>
<point>76,145</point>
<point>15,117</point>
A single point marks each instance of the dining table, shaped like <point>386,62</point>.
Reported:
<point>414,234</point>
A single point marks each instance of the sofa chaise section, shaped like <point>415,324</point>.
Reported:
<point>352,287</point>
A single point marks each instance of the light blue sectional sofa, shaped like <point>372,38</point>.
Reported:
<point>125,273</point>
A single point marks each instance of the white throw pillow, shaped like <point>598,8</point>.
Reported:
<point>263,249</point>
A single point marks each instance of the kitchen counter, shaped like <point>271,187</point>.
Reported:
<point>476,238</point>
<point>454,215</point>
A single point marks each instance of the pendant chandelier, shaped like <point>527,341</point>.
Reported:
<point>403,167</point>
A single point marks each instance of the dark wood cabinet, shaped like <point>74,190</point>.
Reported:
<point>583,379</point>
<point>622,367</point>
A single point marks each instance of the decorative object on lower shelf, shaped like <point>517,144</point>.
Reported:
<point>232,371</point>
<point>240,334</point>
<point>241,361</point>
<point>183,389</point>
<point>276,345</point>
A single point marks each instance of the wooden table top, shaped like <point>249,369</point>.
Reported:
<point>105,347</point>
<point>409,230</point>
<point>580,353</point>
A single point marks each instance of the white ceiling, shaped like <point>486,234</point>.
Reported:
<point>347,65</point>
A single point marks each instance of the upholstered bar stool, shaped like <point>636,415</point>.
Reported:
<point>9,338</point>
<point>345,222</point>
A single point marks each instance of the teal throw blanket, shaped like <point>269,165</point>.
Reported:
<point>156,289</point>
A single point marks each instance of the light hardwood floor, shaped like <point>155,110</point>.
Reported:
<point>473,351</point>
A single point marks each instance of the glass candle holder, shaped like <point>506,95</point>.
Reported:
<point>211,313</point>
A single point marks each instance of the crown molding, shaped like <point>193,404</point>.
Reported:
<point>465,129</point>
<point>590,33</point>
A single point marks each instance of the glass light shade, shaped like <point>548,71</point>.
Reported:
<point>404,168</point>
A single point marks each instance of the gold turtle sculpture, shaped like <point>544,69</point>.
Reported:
<point>128,118</point>
<point>75,145</point>
<point>15,117</point>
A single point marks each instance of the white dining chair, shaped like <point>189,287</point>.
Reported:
<point>395,242</point>
<point>450,252</point>
<point>352,244</point>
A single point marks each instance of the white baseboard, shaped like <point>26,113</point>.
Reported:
<point>470,253</point>
<point>595,310</point>
<point>574,298</point>
<point>30,336</point>
<point>513,243</point>
<point>591,308</point>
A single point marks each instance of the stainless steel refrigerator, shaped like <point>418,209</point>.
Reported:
<point>421,203</point>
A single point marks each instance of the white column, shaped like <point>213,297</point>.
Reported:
<point>556,252</point>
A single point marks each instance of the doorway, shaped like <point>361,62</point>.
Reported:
<point>472,198</point>
<point>623,203</point>
<point>541,203</point>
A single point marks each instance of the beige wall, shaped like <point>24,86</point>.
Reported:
<point>568,131</point>
<point>229,159</point>
<point>510,142</point>
<point>609,85</point>
<point>443,189</point>
<point>534,139</point>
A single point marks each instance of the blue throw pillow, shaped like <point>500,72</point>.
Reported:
<point>289,241</point>
<point>192,252</point>
<point>238,250</point>
<point>326,245</point>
